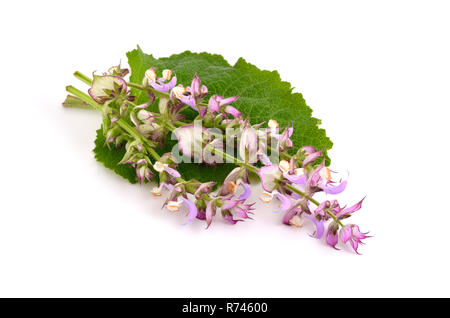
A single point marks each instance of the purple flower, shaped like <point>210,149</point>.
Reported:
<point>237,177</point>
<point>231,207</point>
<point>233,112</point>
<point>157,191</point>
<point>161,84</point>
<point>285,202</point>
<point>228,203</point>
<point>204,188</point>
<point>164,167</point>
<point>175,206</point>
<point>332,235</point>
<point>229,217</point>
<point>308,149</point>
<point>263,158</point>
<point>310,158</point>
<point>346,212</point>
<point>180,93</point>
<point>242,210</point>
<point>290,214</point>
<point>321,179</point>
<point>331,189</point>
<point>197,90</point>
<point>284,141</point>
<point>192,209</point>
<point>320,227</point>
<point>331,206</point>
<point>292,174</point>
<point>217,103</point>
<point>351,233</point>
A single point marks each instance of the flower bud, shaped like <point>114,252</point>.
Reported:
<point>146,130</point>
<point>163,105</point>
<point>123,110</point>
<point>118,71</point>
<point>332,236</point>
<point>143,172</point>
<point>119,141</point>
<point>204,90</point>
<point>144,115</point>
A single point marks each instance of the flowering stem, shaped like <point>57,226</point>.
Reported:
<point>88,81</point>
<point>290,187</point>
<point>125,126</point>
<point>148,144</point>
<point>256,170</point>
<point>152,90</point>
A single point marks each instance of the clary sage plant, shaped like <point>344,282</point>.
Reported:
<point>190,125</point>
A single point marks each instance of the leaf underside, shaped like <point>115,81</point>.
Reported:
<point>264,96</point>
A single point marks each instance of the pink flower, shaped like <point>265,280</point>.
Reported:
<point>161,84</point>
<point>237,177</point>
<point>217,104</point>
<point>332,235</point>
<point>351,233</point>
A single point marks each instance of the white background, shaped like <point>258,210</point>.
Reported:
<point>375,72</point>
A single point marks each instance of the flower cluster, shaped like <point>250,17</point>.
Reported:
<point>293,181</point>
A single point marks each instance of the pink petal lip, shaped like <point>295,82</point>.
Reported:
<point>334,189</point>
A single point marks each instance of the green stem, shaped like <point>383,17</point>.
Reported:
<point>83,78</point>
<point>122,124</point>
<point>256,170</point>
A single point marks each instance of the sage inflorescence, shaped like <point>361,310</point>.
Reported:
<point>209,130</point>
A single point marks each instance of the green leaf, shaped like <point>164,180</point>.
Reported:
<point>264,96</point>
<point>110,157</point>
